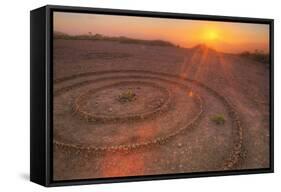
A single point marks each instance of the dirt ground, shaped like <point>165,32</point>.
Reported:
<point>166,128</point>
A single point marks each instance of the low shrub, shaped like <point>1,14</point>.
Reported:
<point>219,119</point>
<point>257,55</point>
<point>127,96</point>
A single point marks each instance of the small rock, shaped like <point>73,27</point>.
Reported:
<point>110,109</point>
<point>179,145</point>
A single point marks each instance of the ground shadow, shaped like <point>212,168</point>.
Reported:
<point>24,176</point>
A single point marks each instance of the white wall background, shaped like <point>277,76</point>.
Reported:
<point>14,94</point>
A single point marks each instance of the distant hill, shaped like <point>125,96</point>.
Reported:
<point>121,39</point>
<point>58,35</point>
<point>202,47</point>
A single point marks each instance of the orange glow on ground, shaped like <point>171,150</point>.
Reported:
<point>122,165</point>
<point>128,164</point>
<point>190,93</point>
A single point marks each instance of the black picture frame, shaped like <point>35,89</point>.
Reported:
<point>41,53</point>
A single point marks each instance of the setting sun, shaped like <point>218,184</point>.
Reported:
<point>210,35</point>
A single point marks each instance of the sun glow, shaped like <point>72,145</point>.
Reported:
<point>210,35</point>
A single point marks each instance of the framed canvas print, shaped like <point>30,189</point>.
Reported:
<point>119,95</point>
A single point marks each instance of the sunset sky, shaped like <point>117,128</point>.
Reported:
<point>223,36</point>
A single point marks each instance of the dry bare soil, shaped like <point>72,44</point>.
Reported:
<point>130,109</point>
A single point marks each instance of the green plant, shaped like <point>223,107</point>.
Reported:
<point>127,96</point>
<point>219,119</point>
